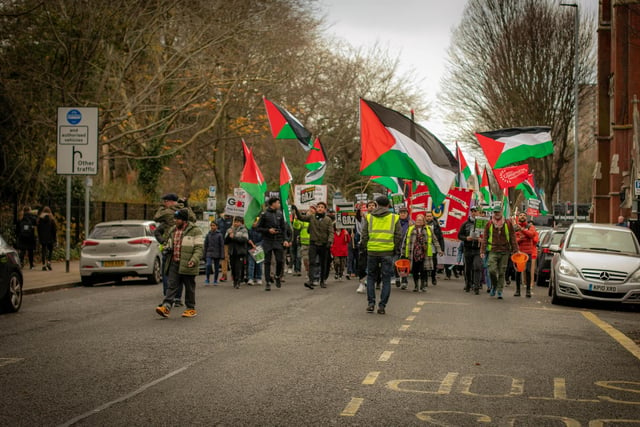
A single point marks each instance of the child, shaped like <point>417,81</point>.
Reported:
<point>238,240</point>
<point>213,252</point>
<point>340,250</point>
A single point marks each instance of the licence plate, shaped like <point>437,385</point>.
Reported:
<point>119,263</point>
<point>603,288</point>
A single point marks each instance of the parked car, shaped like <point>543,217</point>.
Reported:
<point>118,249</point>
<point>596,262</point>
<point>543,263</point>
<point>10,278</point>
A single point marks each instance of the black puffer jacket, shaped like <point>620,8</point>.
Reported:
<point>272,218</point>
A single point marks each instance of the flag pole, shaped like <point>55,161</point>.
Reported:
<point>366,185</point>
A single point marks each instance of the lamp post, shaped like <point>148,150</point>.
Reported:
<point>575,119</point>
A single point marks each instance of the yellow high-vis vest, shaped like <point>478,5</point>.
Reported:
<point>429,242</point>
<point>381,231</point>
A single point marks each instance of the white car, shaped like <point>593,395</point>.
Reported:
<point>118,249</point>
<point>596,262</point>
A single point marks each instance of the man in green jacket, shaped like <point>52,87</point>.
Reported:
<point>321,239</point>
<point>184,247</point>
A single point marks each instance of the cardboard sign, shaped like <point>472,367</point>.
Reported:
<point>235,206</point>
<point>306,196</point>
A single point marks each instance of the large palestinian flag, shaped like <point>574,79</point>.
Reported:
<point>285,126</point>
<point>394,145</point>
<point>505,147</point>
<point>252,182</point>
<point>464,169</point>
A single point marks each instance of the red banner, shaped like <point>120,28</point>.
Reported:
<point>511,175</point>
<point>451,214</point>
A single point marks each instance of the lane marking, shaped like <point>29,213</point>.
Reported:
<point>622,339</point>
<point>559,388</point>
<point>394,341</point>
<point>4,361</point>
<point>416,309</point>
<point>385,356</point>
<point>410,318</point>
<point>352,407</point>
<point>404,328</point>
<point>446,303</point>
<point>421,303</point>
<point>371,378</point>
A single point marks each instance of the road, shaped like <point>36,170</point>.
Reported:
<point>296,357</point>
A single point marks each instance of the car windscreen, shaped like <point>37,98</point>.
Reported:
<point>604,240</point>
<point>556,237</point>
<point>117,231</point>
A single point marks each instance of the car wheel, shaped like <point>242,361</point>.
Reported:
<point>86,281</point>
<point>540,281</point>
<point>13,299</point>
<point>155,277</point>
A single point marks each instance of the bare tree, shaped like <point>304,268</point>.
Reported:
<point>511,64</point>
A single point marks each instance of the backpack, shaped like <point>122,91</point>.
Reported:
<point>26,228</point>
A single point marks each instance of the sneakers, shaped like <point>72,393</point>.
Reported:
<point>499,295</point>
<point>215,283</point>
<point>259,282</point>
<point>308,285</point>
<point>49,266</point>
<point>370,308</point>
<point>289,271</point>
<point>206,281</point>
<point>362,288</point>
<point>278,284</point>
<point>398,283</point>
<point>162,311</point>
<point>267,287</point>
<point>190,312</point>
<point>493,292</point>
<point>381,310</point>
<point>223,278</point>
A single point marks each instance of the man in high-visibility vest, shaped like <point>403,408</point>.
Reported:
<point>500,242</point>
<point>382,236</point>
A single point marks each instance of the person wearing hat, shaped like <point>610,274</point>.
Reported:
<point>499,242</point>
<point>382,236</point>
<point>470,238</point>
<point>405,222</point>
<point>184,248</point>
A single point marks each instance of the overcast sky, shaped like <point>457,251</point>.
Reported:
<point>419,31</point>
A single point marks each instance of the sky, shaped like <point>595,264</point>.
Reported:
<point>419,31</point>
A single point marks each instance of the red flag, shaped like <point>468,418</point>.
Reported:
<point>511,175</point>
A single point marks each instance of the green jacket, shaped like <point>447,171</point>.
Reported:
<point>192,249</point>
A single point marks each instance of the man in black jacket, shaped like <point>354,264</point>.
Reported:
<point>472,261</point>
<point>276,238</point>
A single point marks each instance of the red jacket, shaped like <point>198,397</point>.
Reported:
<point>340,246</point>
<point>527,238</point>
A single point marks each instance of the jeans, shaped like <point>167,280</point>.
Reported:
<point>376,265</point>
<point>296,257</point>
<point>255,270</point>
<point>165,279</point>
<point>497,269</point>
<point>215,262</point>
<point>176,282</point>
<point>352,260</point>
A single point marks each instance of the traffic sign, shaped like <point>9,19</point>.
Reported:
<point>77,149</point>
<point>637,187</point>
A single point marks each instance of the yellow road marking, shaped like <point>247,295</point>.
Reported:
<point>416,309</point>
<point>394,341</point>
<point>371,378</point>
<point>9,360</point>
<point>559,388</point>
<point>385,356</point>
<point>352,407</point>
<point>421,303</point>
<point>622,339</point>
<point>445,302</point>
<point>410,318</point>
<point>404,328</point>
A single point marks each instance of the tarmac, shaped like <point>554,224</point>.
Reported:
<point>37,280</point>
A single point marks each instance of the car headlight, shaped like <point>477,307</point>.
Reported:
<point>635,277</point>
<point>565,268</point>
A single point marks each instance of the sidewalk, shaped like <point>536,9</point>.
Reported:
<point>37,280</point>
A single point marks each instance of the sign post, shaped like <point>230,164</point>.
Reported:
<point>77,154</point>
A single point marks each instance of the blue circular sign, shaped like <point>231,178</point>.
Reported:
<point>74,117</point>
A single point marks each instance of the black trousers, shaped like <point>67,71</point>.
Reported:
<point>271,249</point>
<point>322,251</point>
<point>472,270</point>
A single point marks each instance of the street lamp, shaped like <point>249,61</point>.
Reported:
<point>575,120</point>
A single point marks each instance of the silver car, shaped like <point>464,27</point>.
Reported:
<point>596,262</point>
<point>119,249</point>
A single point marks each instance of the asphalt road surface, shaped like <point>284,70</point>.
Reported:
<point>297,357</point>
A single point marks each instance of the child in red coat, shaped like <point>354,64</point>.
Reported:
<point>340,250</point>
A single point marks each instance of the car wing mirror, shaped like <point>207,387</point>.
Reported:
<point>554,248</point>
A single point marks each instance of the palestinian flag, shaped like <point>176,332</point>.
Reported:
<point>485,189</point>
<point>285,186</point>
<point>544,210</point>
<point>505,147</point>
<point>394,145</point>
<point>316,158</point>
<point>528,188</point>
<point>392,183</point>
<point>511,176</point>
<point>464,170</point>
<point>285,126</point>
<point>317,176</point>
<point>252,182</point>
<point>245,152</point>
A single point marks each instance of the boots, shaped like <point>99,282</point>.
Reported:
<point>528,290</point>
<point>517,294</point>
